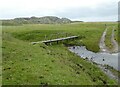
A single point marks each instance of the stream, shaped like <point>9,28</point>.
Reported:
<point>104,57</point>
<point>100,58</point>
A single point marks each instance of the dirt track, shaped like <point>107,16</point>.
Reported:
<point>103,47</point>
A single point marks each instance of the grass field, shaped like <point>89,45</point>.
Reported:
<point>108,38</point>
<point>24,63</point>
<point>38,32</point>
<point>108,35</point>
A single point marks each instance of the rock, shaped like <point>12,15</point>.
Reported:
<point>103,59</point>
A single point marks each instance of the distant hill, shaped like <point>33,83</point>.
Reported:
<point>37,20</point>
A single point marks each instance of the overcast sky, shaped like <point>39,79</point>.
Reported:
<point>84,10</point>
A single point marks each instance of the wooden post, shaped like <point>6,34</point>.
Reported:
<point>45,43</point>
<point>57,42</point>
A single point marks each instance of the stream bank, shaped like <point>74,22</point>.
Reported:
<point>103,58</point>
<point>100,59</point>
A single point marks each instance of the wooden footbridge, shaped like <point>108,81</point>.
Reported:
<point>56,40</point>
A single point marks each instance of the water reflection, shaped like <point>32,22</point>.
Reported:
<point>100,58</point>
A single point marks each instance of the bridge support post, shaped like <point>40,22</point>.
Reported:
<point>57,42</point>
<point>46,43</point>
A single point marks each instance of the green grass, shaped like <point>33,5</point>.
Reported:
<point>24,63</point>
<point>116,34</point>
<point>108,38</point>
<point>114,71</point>
<point>108,35</point>
<point>38,32</point>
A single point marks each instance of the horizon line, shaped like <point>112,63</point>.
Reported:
<point>60,17</point>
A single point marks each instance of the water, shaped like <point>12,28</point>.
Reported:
<point>99,58</point>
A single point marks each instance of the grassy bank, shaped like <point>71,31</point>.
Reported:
<point>24,63</point>
<point>108,38</point>
<point>90,37</point>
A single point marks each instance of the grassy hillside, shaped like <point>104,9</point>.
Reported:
<point>36,20</point>
<point>90,32</point>
<point>24,63</point>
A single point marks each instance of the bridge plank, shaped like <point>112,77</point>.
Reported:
<point>55,40</point>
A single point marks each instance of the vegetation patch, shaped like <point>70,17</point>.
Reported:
<point>108,38</point>
<point>39,64</point>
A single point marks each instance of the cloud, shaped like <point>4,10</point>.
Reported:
<point>102,11</point>
<point>73,9</point>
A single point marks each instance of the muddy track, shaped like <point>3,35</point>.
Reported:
<point>103,47</point>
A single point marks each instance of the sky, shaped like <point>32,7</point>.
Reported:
<point>82,10</point>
